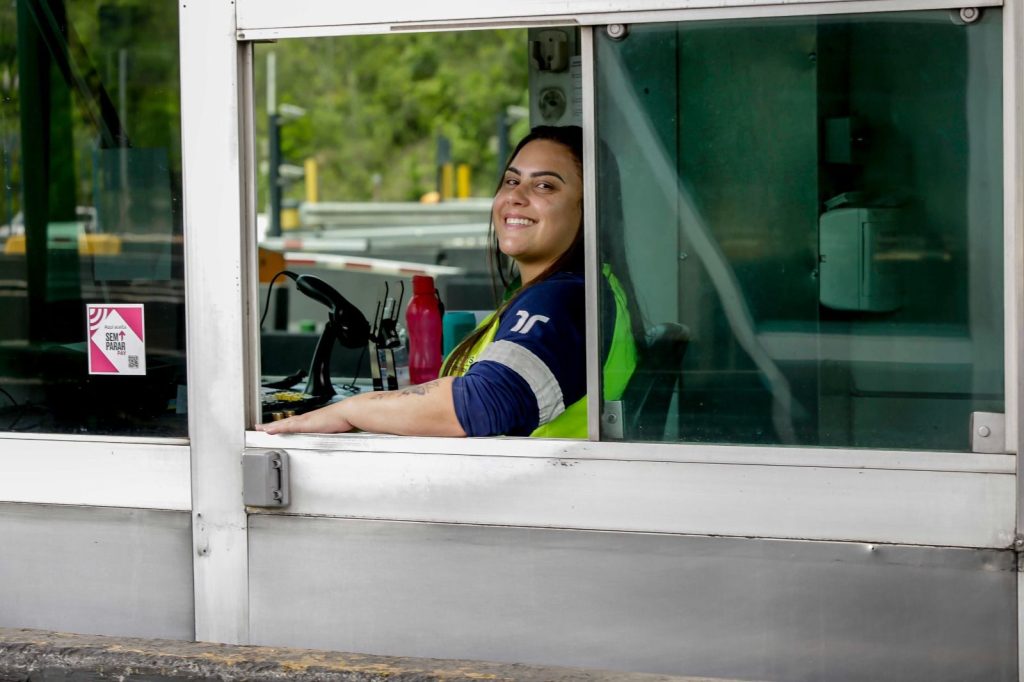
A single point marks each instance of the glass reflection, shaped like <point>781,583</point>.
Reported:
<point>817,201</point>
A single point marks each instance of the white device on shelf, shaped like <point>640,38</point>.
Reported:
<point>856,272</point>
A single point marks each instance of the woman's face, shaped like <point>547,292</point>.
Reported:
<point>538,208</point>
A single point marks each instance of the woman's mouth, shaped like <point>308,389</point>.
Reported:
<point>518,222</point>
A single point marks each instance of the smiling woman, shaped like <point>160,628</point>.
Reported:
<point>539,207</point>
<point>521,371</point>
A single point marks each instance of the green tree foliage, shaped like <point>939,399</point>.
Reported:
<point>377,104</point>
<point>105,43</point>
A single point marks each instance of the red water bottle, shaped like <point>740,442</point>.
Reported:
<point>423,322</point>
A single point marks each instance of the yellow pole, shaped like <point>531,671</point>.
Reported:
<point>463,180</point>
<point>447,181</point>
<point>312,185</point>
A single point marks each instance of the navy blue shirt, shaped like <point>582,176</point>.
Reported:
<point>534,368</point>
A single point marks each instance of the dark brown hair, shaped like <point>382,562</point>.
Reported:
<point>570,137</point>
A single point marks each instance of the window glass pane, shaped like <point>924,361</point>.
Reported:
<point>91,277</point>
<point>386,151</point>
<point>813,208</point>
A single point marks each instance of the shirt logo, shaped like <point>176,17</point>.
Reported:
<point>526,321</point>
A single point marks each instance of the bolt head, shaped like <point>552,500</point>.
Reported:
<point>616,31</point>
<point>969,14</point>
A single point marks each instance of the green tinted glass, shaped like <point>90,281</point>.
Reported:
<point>91,274</point>
<point>810,209</point>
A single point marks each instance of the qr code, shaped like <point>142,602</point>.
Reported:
<point>133,362</point>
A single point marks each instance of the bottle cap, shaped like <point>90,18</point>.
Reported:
<point>423,284</point>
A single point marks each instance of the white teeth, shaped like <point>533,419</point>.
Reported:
<point>518,221</point>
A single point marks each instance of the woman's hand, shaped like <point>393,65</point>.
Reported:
<point>422,410</point>
<point>327,419</point>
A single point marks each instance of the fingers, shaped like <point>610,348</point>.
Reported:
<point>296,424</point>
<point>280,426</point>
<point>325,420</point>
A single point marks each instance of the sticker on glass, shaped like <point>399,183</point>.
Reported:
<point>117,340</point>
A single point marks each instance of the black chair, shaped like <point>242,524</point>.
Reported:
<point>658,375</point>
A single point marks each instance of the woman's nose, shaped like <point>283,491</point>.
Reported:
<point>517,195</point>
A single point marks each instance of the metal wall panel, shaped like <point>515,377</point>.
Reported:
<point>754,609</point>
<point>821,503</point>
<point>96,570</point>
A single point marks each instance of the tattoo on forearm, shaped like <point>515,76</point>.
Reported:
<point>420,389</point>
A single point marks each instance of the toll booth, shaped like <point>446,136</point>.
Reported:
<point>818,206</point>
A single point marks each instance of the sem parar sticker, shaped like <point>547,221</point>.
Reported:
<point>117,339</point>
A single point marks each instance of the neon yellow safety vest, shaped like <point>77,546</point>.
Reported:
<point>617,370</point>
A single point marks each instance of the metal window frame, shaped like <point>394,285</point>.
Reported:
<point>267,20</point>
<point>1013,265</point>
<point>142,473</point>
<point>885,506</point>
<point>886,497</point>
<point>1013,232</point>
<point>215,216</point>
<point>591,252</point>
<point>264,20</point>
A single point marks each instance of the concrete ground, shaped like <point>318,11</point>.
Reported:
<point>43,656</point>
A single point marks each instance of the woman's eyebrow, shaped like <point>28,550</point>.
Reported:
<point>538,174</point>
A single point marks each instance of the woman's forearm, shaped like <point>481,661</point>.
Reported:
<point>422,410</point>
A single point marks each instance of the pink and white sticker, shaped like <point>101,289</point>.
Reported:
<point>117,339</point>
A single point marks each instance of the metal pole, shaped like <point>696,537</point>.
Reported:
<point>124,198</point>
<point>274,139</point>
<point>273,176</point>
<point>274,182</point>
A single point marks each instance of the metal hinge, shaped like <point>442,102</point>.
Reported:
<point>988,432</point>
<point>265,478</point>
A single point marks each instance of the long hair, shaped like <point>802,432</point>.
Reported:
<point>570,137</point>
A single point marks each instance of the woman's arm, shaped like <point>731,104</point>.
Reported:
<point>421,410</point>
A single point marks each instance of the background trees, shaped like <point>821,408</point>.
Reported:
<point>376,106</point>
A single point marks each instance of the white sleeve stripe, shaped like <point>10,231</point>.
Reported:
<point>532,369</point>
